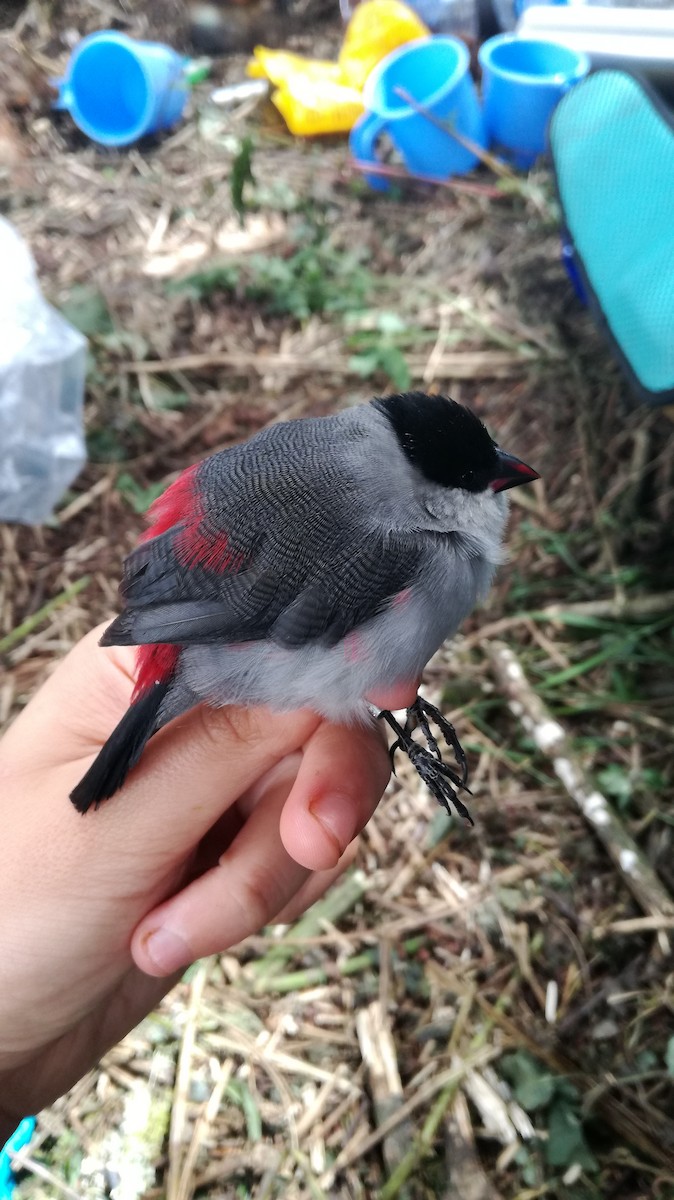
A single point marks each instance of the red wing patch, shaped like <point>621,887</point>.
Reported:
<point>155,664</point>
<point>172,506</point>
<point>181,506</point>
<point>196,545</point>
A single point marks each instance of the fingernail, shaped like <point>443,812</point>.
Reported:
<point>335,814</point>
<point>167,950</point>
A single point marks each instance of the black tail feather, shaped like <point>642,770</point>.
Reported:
<point>121,752</point>
<point>119,632</point>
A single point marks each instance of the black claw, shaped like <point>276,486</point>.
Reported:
<point>440,779</point>
<point>422,710</point>
<point>397,745</point>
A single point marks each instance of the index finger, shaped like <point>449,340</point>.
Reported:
<point>190,772</point>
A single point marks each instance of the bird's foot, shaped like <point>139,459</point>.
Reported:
<point>442,781</point>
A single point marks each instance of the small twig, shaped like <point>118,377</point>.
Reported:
<point>490,160</point>
<point>378,1051</point>
<point>182,1084</point>
<point>258,1158</point>
<point>634,925</point>
<point>312,1185</point>
<point>26,627</point>
<point>632,608</point>
<point>188,1181</point>
<point>295,981</point>
<point>99,488</point>
<point>637,608</point>
<point>458,185</point>
<point>360,1146</point>
<point>495,1116</point>
<point>421,1144</point>
<point>478,364</point>
<point>468,1179</point>
<point>22,1162</point>
<point>552,740</point>
<point>242,1046</point>
<point>396,929</point>
<point>337,902</point>
<point>310,1118</point>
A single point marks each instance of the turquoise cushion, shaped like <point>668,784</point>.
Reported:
<point>613,150</point>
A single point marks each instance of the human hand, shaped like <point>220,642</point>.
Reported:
<point>233,818</point>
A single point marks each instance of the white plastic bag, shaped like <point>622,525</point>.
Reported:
<point>42,369</point>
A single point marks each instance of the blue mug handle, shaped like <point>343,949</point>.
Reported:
<point>64,98</point>
<point>362,141</point>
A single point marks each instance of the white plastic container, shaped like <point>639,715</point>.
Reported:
<point>42,369</point>
<point>635,39</point>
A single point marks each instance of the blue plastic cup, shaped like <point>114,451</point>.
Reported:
<point>117,89</point>
<point>434,72</point>
<point>523,79</point>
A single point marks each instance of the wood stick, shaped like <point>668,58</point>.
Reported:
<point>552,740</point>
<point>378,1051</point>
<point>476,364</point>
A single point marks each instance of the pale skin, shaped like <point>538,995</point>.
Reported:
<point>233,819</point>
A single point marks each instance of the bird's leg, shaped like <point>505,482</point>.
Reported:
<point>440,779</point>
<point>402,736</point>
<point>422,710</point>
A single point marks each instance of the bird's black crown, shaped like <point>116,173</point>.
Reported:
<point>444,440</point>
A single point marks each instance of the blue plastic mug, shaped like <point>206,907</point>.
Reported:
<point>522,81</point>
<point>434,72</point>
<point>117,89</point>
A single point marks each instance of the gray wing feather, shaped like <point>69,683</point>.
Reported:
<point>310,568</point>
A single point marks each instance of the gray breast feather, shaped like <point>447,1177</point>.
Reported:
<point>333,680</point>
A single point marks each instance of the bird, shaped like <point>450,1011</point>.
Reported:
<point>319,564</point>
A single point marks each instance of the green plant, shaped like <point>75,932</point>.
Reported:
<point>669,1057</point>
<point>87,310</point>
<point>378,351</point>
<point>241,174</point>
<point>556,1103</point>
<point>314,277</point>
<point>137,497</point>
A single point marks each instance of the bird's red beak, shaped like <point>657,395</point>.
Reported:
<point>511,472</point>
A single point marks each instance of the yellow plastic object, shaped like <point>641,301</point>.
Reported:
<point>310,94</point>
<point>281,67</point>
<point>316,106</point>
<point>315,96</point>
<point>376,28</point>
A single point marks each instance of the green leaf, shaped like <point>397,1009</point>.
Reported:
<point>86,309</point>
<point>139,498</point>
<point>616,782</point>
<point>240,175</point>
<point>365,364</point>
<point>566,1141</point>
<point>165,399</point>
<point>390,322</point>
<point>119,341</point>
<point>669,1057</point>
<point>105,445</point>
<point>223,277</point>
<point>393,362</point>
<point>239,1092</point>
<point>532,1085</point>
